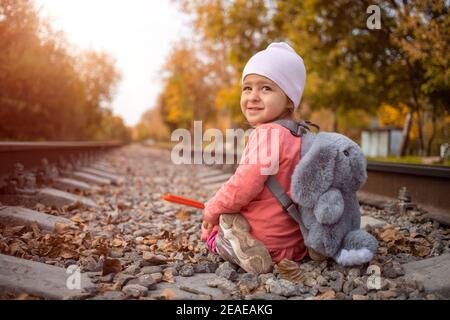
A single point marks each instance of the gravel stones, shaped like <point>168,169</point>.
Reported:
<point>249,282</point>
<point>121,279</point>
<point>205,267</point>
<point>132,269</point>
<point>111,295</point>
<point>151,269</point>
<point>284,287</point>
<point>157,277</point>
<point>223,284</point>
<point>135,290</point>
<point>146,281</point>
<point>321,281</point>
<point>187,271</point>
<point>264,296</point>
<point>264,277</point>
<point>227,270</point>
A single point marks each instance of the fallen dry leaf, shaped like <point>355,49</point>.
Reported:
<point>14,248</point>
<point>290,270</point>
<point>244,290</point>
<point>327,295</point>
<point>77,218</point>
<point>166,234</point>
<point>394,242</point>
<point>118,243</point>
<point>29,242</point>
<point>168,294</point>
<point>401,248</point>
<point>111,266</point>
<point>15,230</point>
<point>192,260</point>
<point>74,206</point>
<point>390,235</point>
<point>171,247</point>
<point>421,251</point>
<point>123,205</point>
<point>101,248</point>
<point>112,216</point>
<point>154,258</point>
<point>27,236</point>
<point>68,254</point>
<point>61,227</point>
<point>183,215</point>
<point>168,276</point>
<point>35,228</point>
<point>149,240</point>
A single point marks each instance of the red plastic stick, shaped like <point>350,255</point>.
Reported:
<point>182,200</point>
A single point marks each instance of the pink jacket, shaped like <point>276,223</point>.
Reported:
<point>245,192</point>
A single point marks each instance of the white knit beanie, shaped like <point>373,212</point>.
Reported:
<point>281,64</point>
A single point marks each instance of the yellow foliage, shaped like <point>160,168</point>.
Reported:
<point>395,116</point>
<point>228,99</point>
<point>392,116</point>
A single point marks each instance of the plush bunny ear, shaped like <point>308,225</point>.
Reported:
<point>314,174</point>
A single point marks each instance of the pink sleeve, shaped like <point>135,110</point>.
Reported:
<point>260,159</point>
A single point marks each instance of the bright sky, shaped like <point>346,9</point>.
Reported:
<point>138,33</point>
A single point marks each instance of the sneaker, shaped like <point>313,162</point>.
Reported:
<point>224,249</point>
<point>249,253</point>
<point>316,256</point>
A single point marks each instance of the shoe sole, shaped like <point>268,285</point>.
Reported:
<point>314,255</point>
<point>251,253</point>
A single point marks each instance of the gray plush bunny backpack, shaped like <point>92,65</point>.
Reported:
<point>331,169</point>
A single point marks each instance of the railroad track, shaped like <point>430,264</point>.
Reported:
<point>37,171</point>
<point>88,223</point>
<point>52,174</point>
<point>424,185</point>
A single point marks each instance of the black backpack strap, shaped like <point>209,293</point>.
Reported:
<point>286,202</point>
<point>297,128</point>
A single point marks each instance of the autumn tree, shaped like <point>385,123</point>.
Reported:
<point>353,66</point>
<point>99,78</point>
<point>152,126</point>
<point>50,90</point>
<point>188,91</point>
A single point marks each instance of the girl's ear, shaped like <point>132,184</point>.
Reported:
<point>290,106</point>
<point>315,172</point>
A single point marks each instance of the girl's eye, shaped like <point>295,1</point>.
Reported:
<point>245,88</point>
<point>266,87</point>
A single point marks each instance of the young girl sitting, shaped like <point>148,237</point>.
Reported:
<point>243,222</point>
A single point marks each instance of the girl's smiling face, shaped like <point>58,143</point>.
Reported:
<point>262,100</point>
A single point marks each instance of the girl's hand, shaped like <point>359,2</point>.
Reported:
<point>208,226</point>
<point>206,230</point>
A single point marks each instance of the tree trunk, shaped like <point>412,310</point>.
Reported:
<point>433,131</point>
<point>335,120</point>
<point>405,133</point>
<point>415,104</point>
<point>420,132</point>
